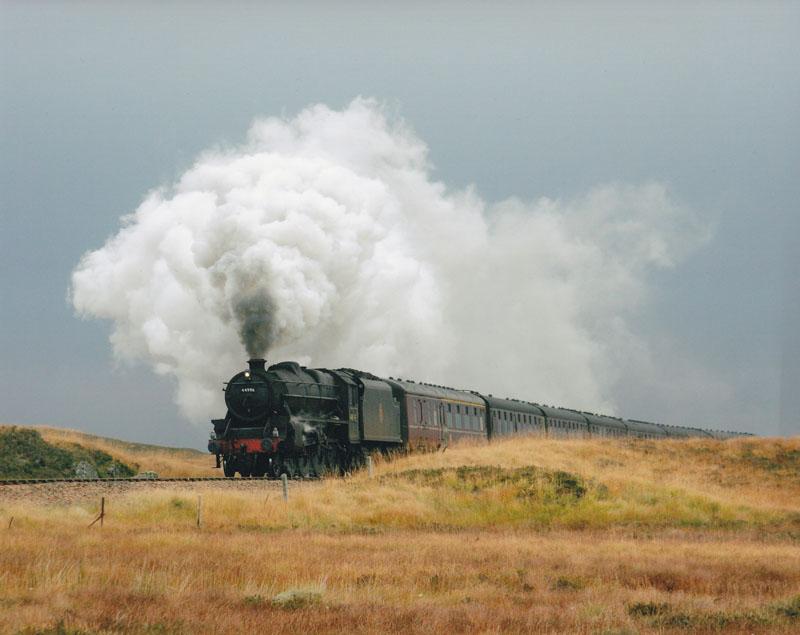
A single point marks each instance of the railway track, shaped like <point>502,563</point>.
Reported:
<point>174,479</point>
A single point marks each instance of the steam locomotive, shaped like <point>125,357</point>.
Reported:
<point>288,419</point>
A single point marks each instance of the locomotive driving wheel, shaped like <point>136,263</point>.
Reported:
<point>332,462</point>
<point>317,463</point>
<point>260,467</point>
<point>228,468</point>
<point>305,467</point>
<point>290,468</point>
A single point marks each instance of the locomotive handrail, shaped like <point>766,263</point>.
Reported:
<point>305,397</point>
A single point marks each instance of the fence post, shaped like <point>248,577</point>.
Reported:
<point>102,512</point>
<point>369,465</point>
<point>199,510</point>
<point>285,482</point>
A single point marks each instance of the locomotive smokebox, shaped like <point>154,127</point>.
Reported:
<point>257,364</point>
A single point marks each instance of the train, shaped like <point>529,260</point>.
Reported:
<point>305,422</point>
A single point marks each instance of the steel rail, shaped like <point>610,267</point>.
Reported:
<point>172,479</point>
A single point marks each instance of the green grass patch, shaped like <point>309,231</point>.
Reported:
<point>294,599</point>
<point>526,483</point>
<point>664,615</point>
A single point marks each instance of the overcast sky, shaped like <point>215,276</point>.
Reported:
<point>100,104</point>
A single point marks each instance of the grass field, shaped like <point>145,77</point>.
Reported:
<point>527,535</point>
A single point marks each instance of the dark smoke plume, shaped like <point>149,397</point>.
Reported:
<point>255,315</point>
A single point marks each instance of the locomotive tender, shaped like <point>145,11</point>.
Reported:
<point>288,419</point>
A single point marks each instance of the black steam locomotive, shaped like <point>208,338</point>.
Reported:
<point>288,419</point>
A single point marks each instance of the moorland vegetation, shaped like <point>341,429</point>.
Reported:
<point>522,535</point>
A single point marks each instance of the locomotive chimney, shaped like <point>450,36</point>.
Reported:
<point>257,364</point>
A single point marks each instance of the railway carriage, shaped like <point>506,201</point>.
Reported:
<point>437,415</point>
<point>512,417</point>
<point>644,429</point>
<point>562,422</point>
<point>680,432</point>
<point>602,426</point>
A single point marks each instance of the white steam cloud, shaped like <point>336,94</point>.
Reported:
<point>324,239</point>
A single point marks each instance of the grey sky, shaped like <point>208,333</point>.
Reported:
<point>99,104</point>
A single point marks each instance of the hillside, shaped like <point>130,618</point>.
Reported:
<point>58,449</point>
<point>25,454</point>
<point>759,474</point>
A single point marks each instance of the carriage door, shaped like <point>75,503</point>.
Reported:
<point>444,430</point>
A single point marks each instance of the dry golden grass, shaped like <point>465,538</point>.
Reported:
<point>760,472</point>
<point>223,581</point>
<point>642,537</point>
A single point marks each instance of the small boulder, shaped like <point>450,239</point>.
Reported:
<point>84,469</point>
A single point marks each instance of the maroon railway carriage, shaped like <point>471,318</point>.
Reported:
<point>433,416</point>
